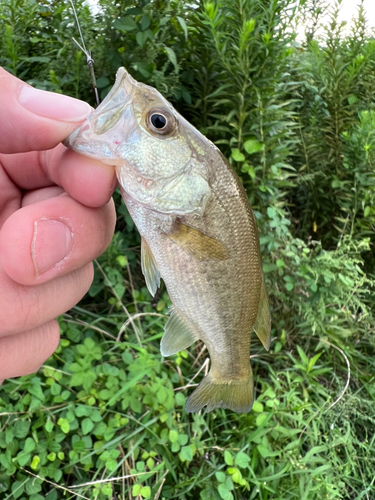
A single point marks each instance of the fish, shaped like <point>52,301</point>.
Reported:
<point>198,233</point>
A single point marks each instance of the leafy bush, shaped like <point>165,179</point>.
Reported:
<point>296,118</point>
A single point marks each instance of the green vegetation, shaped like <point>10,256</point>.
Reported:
<point>296,117</point>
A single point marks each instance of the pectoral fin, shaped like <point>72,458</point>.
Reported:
<point>177,335</point>
<point>149,269</point>
<point>197,244</point>
<point>262,325</point>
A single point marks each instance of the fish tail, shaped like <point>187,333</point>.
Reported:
<point>237,395</point>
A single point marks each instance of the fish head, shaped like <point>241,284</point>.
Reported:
<point>161,160</point>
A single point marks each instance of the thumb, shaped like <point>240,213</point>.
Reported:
<point>35,120</point>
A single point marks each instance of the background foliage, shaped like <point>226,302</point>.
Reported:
<point>295,115</point>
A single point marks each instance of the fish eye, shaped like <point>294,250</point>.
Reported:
<point>160,121</point>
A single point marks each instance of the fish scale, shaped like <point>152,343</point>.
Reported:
<point>198,233</point>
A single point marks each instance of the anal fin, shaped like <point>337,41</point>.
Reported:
<point>198,244</point>
<point>237,395</point>
<point>149,269</point>
<point>262,325</point>
<point>177,335</point>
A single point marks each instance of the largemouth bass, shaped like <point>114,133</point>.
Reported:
<point>198,233</point>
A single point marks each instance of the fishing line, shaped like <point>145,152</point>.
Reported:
<point>90,60</point>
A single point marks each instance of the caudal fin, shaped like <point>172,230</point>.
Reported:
<point>237,395</point>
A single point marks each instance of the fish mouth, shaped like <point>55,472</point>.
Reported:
<point>99,135</point>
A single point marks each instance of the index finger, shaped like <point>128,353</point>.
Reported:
<point>35,120</point>
<point>38,121</point>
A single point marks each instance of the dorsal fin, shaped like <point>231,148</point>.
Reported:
<point>177,335</point>
<point>198,244</point>
<point>262,325</point>
<point>149,269</point>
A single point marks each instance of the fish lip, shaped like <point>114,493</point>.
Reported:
<point>121,75</point>
<point>76,140</point>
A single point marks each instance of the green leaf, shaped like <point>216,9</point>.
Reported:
<point>37,391</point>
<point>162,395</point>
<point>39,59</point>
<point>18,488</point>
<point>271,212</point>
<point>183,439</point>
<point>122,260</point>
<point>186,454</point>
<point>175,447</point>
<point>5,459</point>
<point>242,460</point>
<point>23,459</point>
<point>35,462</point>
<point>171,56</point>
<point>125,24</point>
<point>180,399</point>
<point>145,492</point>
<point>102,82</point>
<point>64,425</point>
<point>224,492</point>
<point>252,146</point>
<point>33,486</point>
<point>302,355</point>
<point>140,466</point>
<point>52,495</point>
<point>9,436</point>
<point>87,425</point>
<point>136,490</point>
<point>49,426</point>
<point>257,407</point>
<point>29,445</point>
<point>111,465</point>
<point>105,394</point>
<point>82,411</point>
<point>263,450</point>
<point>145,22</point>
<point>142,36</point>
<point>36,496</point>
<point>220,476</point>
<point>352,99</point>
<point>21,429</point>
<point>228,458</point>
<point>183,26</point>
<point>237,155</point>
<point>55,389</point>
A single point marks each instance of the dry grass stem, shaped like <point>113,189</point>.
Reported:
<point>348,376</point>
<point>156,497</point>
<point>111,479</point>
<point>132,318</point>
<point>196,375</point>
<point>88,325</point>
<point>55,484</point>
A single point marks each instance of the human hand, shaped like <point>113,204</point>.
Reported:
<point>56,216</point>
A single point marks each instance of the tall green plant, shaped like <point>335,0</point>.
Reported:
<point>334,89</point>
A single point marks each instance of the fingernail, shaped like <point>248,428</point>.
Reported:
<point>51,244</point>
<point>51,105</point>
